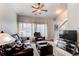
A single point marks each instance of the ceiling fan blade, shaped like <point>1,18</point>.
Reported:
<point>34,7</point>
<point>39,13</point>
<point>34,11</point>
<point>38,5</point>
<point>42,6</point>
<point>44,10</point>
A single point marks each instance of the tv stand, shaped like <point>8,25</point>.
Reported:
<point>67,41</point>
<point>60,52</point>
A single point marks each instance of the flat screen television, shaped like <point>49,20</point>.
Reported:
<point>68,35</point>
<point>70,39</point>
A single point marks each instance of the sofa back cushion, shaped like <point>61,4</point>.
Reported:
<point>18,39</point>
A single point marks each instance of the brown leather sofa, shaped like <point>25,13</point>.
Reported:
<point>18,51</point>
<point>13,50</point>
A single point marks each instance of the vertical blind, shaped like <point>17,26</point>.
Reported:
<point>28,29</point>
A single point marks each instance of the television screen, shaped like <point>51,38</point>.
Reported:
<point>68,34</point>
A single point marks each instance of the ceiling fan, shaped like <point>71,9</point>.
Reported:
<point>38,8</point>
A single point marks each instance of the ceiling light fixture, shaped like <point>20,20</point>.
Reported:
<point>58,11</point>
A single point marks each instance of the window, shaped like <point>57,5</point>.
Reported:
<point>28,29</point>
<point>25,29</point>
<point>42,28</point>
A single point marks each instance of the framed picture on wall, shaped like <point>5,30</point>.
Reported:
<point>55,26</point>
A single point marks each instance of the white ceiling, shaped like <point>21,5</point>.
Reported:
<point>26,9</point>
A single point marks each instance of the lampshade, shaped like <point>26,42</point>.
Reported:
<point>5,38</point>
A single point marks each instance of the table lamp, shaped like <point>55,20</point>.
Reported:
<point>5,38</point>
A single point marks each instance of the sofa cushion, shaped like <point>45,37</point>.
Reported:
<point>18,40</point>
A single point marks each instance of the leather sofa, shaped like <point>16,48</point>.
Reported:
<point>18,51</point>
<point>21,50</point>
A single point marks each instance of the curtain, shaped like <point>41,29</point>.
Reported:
<point>28,29</point>
<point>42,28</point>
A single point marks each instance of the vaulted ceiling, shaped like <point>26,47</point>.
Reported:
<point>26,9</point>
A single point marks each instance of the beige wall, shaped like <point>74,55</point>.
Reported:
<point>59,20</point>
<point>73,16</point>
<point>49,23</point>
<point>8,22</point>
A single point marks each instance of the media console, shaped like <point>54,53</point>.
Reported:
<point>67,41</point>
